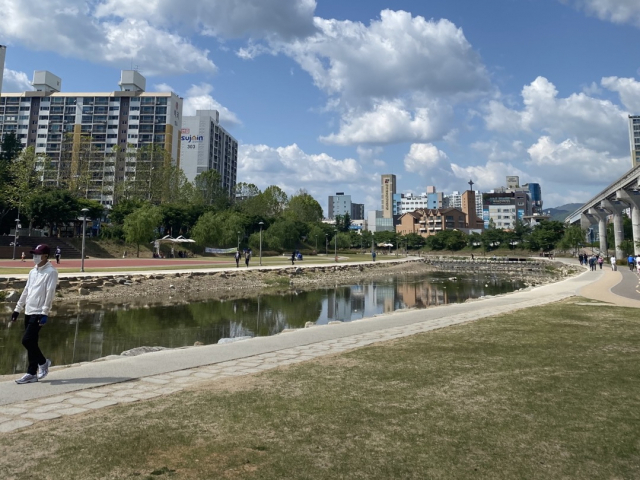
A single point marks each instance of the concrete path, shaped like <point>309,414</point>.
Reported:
<point>95,385</point>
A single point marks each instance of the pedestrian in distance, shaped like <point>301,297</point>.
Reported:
<point>373,256</point>
<point>293,258</point>
<point>632,262</point>
<point>613,263</point>
<point>22,256</point>
<point>247,257</point>
<point>237,257</point>
<point>36,299</point>
<point>58,253</point>
<point>600,261</point>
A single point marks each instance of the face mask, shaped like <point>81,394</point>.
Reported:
<point>37,259</point>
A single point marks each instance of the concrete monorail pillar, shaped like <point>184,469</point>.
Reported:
<point>601,215</point>
<point>633,199</point>
<point>617,208</point>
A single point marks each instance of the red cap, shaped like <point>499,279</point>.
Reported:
<point>41,249</point>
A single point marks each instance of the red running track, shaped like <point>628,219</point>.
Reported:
<point>131,263</point>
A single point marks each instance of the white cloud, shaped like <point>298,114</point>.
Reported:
<point>392,122</point>
<point>14,81</point>
<point>616,11</point>
<point>571,163</point>
<point>424,157</point>
<point>628,89</point>
<point>70,27</point>
<point>496,152</point>
<point>223,18</point>
<point>489,176</point>
<point>597,124</point>
<point>163,87</point>
<point>393,80</point>
<point>198,97</point>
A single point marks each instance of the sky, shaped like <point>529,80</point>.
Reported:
<point>328,95</point>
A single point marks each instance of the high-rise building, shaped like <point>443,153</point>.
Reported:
<point>388,189</point>
<point>3,51</point>
<point>408,202</point>
<point>205,145</point>
<point>338,205</point>
<point>454,200</point>
<point>357,211</point>
<point>59,124</point>
<point>634,139</point>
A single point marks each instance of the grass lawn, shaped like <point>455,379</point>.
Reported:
<point>550,392</point>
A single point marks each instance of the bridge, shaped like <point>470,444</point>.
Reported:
<point>622,194</point>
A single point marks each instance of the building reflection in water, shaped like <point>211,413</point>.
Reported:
<point>97,332</point>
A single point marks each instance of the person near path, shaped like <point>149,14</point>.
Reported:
<point>36,299</point>
<point>373,255</point>
<point>592,262</point>
<point>58,253</point>
<point>632,262</point>
<point>580,258</point>
<point>237,257</point>
<point>613,263</point>
<point>247,257</point>
<point>638,264</point>
<point>293,258</point>
<point>600,262</point>
<point>22,256</point>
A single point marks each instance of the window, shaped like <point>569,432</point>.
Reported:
<point>43,117</point>
<point>114,109</point>
<point>44,108</point>
<point>113,117</point>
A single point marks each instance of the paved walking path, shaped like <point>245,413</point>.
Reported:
<point>96,385</point>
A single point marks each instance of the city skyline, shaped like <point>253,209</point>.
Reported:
<point>328,97</point>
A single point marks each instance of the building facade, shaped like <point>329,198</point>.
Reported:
<point>505,208</point>
<point>205,145</point>
<point>454,200</point>
<point>426,222</point>
<point>377,222</point>
<point>3,52</point>
<point>387,191</point>
<point>110,127</point>
<point>338,205</point>
<point>357,211</point>
<point>407,202</point>
<point>634,139</point>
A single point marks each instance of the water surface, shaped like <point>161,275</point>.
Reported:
<point>110,331</point>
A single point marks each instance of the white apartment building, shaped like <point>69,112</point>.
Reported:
<point>205,145</point>
<point>108,121</point>
<point>454,200</point>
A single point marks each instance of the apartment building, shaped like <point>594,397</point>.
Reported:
<point>109,127</point>
<point>206,145</point>
<point>426,222</point>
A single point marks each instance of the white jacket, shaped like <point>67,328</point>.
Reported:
<point>38,294</point>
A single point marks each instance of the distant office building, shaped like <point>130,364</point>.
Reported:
<point>387,191</point>
<point>377,222</point>
<point>535,194</point>
<point>408,202</point>
<point>454,200</point>
<point>634,139</point>
<point>60,124</point>
<point>205,145</point>
<point>504,208</point>
<point>357,211</point>
<point>338,205</point>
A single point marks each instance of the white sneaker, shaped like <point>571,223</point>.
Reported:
<point>43,370</point>
<point>27,378</point>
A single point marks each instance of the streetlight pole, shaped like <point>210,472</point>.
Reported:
<point>326,244</point>
<point>84,232</point>
<point>335,244</point>
<point>261,224</point>
<point>238,241</point>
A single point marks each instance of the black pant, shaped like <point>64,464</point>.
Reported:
<point>30,342</point>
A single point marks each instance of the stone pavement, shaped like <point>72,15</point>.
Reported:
<point>91,386</point>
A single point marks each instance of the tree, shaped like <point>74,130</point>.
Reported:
<point>207,230</point>
<point>244,191</point>
<point>573,238</point>
<point>414,241</point>
<point>141,225</point>
<point>546,235</point>
<point>491,238</point>
<point>274,200</point>
<point>208,186</point>
<point>343,239</point>
<point>51,207</point>
<point>124,208</point>
<point>11,148</point>
<point>343,222</point>
<point>453,240</point>
<point>302,207</point>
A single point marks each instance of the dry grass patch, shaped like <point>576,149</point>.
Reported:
<point>550,392</point>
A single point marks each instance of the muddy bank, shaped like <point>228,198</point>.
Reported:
<point>175,288</point>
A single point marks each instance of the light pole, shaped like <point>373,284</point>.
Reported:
<point>261,224</point>
<point>15,236</point>
<point>84,231</point>
<point>335,244</point>
<point>316,244</point>
<point>326,244</point>
<point>238,241</point>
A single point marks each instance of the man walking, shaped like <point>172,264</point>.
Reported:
<point>237,257</point>
<point>58,252</point>
<point>36,299</point>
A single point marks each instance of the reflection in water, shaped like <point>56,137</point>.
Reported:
<point>93,334</point>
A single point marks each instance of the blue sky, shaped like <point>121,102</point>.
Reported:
<point>328,95</point>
